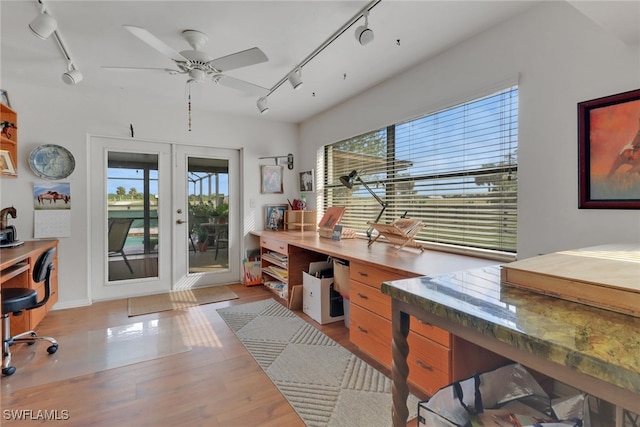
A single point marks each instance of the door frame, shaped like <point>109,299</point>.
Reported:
<point>99,288</point>
<point>181,278</point>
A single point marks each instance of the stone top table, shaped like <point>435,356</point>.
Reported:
<point>595,350</point>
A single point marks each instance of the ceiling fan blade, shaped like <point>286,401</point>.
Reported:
<point>166,70</point>
<point>241,85</point>
<point>155,42</point>
<point>239,59</point>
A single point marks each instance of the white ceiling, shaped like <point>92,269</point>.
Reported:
<point>406,33</point>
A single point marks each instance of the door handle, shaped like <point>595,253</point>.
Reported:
<point>180,221</point>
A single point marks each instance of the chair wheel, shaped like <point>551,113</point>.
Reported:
<point>8,371</point>
<point>31,343</point>
<point>52,349</point>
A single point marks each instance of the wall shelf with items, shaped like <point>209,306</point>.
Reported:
<point>8,142</point>
<point>299,220</point>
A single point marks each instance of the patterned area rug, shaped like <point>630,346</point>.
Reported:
<point>326,384</point>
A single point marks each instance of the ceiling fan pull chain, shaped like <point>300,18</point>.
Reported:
<point>189,86</point>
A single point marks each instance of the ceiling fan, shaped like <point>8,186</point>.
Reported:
<point>199,65</point>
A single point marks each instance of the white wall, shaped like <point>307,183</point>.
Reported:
<point>562,58</point>
<point>62,116</point>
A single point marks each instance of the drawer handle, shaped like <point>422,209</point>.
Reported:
<point>363,330</point>
<point>424,365</point>
<point>363,296</point>
<point>424,323</point>
<point>281,247</point>
<point>361,273</point>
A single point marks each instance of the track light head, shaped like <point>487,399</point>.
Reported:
<point>295,78</point>
<point>43,25</point>
<point>72,77</point>
<point>364,34</point>
<point>262,105</point>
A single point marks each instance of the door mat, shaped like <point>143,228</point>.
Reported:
<point>179,299</point>
<point>325,383</point>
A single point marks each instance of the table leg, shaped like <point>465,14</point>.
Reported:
<point>399,366</point>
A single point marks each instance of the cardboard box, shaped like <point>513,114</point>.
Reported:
<point>317,298</point>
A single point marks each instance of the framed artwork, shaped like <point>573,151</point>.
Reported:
<point>307,182</point>
<point>609,152</point>
<point>272,179</point>
<point>274,217</point>
<point>6,164</point>
<point>4,98</point>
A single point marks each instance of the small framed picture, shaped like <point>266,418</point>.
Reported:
<point>4,98</point>
<point>6,164</point>
<point>307,183</point>
<point>274,217</point>
<point>272,179</point>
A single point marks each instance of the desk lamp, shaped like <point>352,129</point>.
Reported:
<point>348,181</point>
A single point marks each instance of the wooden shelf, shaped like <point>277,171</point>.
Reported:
<point>300,220</point>
<point>10,144</point>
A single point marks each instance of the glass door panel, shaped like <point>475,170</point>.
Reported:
<point>208,200</point>
<point>132,215</point>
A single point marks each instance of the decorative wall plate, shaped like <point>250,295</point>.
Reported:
<point>51,161</point>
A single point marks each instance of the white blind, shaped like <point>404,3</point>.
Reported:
<point>455,169</point>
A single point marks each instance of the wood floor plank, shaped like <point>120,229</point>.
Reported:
<point>215,384</point>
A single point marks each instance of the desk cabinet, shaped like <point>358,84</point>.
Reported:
<point>436,357</point>
<point>284,263</point>
<point>17,271</point>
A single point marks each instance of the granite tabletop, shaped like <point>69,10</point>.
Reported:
<point>594,341</point>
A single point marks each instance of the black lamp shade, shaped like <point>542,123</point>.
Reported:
<point>347,180</point>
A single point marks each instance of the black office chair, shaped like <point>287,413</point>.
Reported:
<point>16,300</point>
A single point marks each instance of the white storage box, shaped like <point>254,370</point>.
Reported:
<point>317,298</point>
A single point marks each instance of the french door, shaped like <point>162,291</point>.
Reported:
<point>143,235</point>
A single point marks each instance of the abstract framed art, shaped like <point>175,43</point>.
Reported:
<point>272,179</point>
<point>609,152</point>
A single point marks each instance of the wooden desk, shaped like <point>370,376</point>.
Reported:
<point>592,349</point>
<point>16,270</point>
<point>435,350</point>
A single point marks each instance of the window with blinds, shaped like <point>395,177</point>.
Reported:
<point>456,170</point>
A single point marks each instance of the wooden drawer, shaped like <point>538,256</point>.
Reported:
<point>372,276</point>
<point>274,245</point>
<point>370,298</point>
<point>429,364</point>
<point>371,334</point>
<point>434,333</point>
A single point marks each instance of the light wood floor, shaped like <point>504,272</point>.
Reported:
<point>216,383</point>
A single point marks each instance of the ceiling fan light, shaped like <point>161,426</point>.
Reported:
<point>43,25</point>
<point>197,75</point>
<point>262,105</point>
<point>295,78</point>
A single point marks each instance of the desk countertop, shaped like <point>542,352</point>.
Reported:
<point>407,261</point>
<point>596,342</point>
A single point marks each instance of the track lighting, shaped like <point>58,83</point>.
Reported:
<point>72,76</point>
<point>364,34</point>
<point>262,105</point>
<point>295,78</point>
<point>43,25</point>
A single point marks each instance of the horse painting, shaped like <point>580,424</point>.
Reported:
<point>52,197</point>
